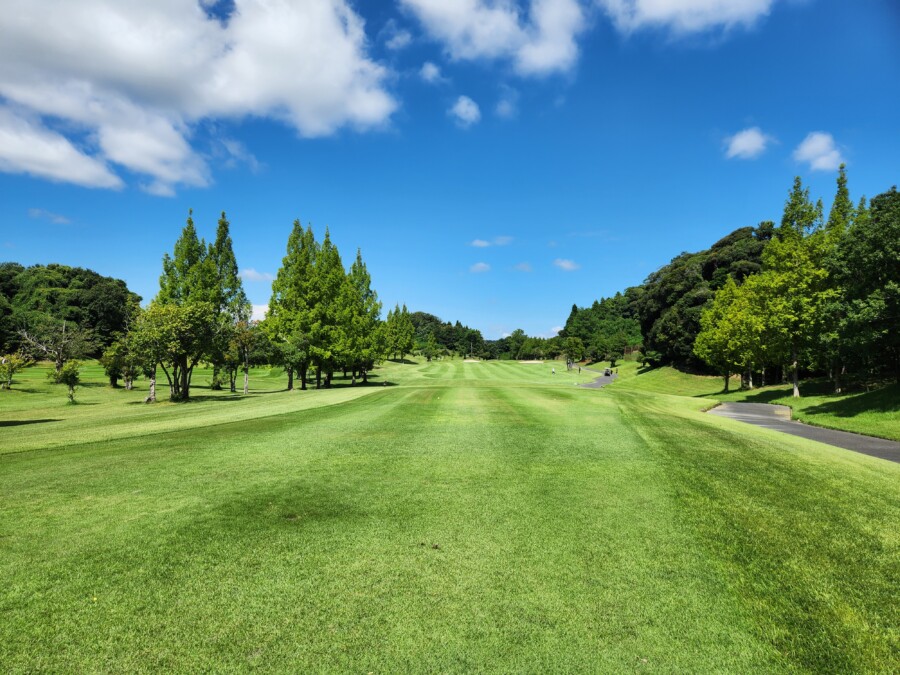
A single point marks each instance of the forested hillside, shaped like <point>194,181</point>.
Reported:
<point>816,295</point>
<point>43,293</point>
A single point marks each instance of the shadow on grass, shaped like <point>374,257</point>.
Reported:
<point>18,423</point>
<point>883,400</point>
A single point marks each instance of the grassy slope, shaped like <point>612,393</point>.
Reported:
<point>575,529</point>
<point>876,413</point>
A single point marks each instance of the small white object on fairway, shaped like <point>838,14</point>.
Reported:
<point>471,361</point>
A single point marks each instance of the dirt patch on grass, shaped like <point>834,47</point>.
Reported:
<point>532,361</point>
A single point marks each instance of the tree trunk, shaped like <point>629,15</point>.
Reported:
<point>763,377</point>
<point>318,377</point>
<point>365,376</point>
<point>113,381</point>
<point>290,373</point>
<point>151,396</point>
<point>246,380</point>
<point>796,370</point>
<point>750,377</point>
<point>304,374</point>
<point>727,380</point>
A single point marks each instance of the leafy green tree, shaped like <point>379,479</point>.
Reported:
<point>69,375</point>
<point>399,334</point>
<point>176,337</point>
<point>113,362</point>
<point>573,348</point>
<point>330,314</point>
<point>228,297</point>
<point>10,364</point>
<point>291,318</point>
<point>362,346</point>
<point>726,341</point>
<point>431,349</point>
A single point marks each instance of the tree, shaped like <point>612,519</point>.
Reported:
<point>228,298</point>
<point>290,320</point>
<point>573,347</point>
<point>361,333</point>
<point>431,348</point>
<point>329,313</point>
<point>10,364</point>
<point>175,337</point>
<point>184,319</point>
<point>69,376</point>
<point>399,334</point>
<point>57,341</point>
<point>113,362</point>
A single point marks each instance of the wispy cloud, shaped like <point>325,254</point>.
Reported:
<point>502,240</point>
<point>466,112</point>
<point>508,105</point>
<point>49,216</point>
<point>259,312</point>
<point>566,265</point>
<point>818,149</point>
<point>480,267</point>
<point>250,274</point>
<point>747,144</point>
<point>236,153</point>
<point>523,267</point>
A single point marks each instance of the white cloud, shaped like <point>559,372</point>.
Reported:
<point>43,214</point>
<point>136,77</point>
<point>466,112</point>
<point>819,150</point>
<point>28,147</point>
<point>523,267</point>
<point>508,105</point>
<point>480,267</point>
<point>430,73</point>
<point>556,330</point>
<point>251,274</point>
<point>540,43</point>
<point>259,312</point>
<point>685,16</point>
<point>503,240</point>
<point>747,144</point>
<point>566,265</point>
<point>236,153</point>
<point>395,38</point>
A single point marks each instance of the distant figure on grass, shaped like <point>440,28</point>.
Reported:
<point>553,370</point>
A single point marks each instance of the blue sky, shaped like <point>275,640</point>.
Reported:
<point>495,161</point>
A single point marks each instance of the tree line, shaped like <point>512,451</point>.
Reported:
<point>810,295</point>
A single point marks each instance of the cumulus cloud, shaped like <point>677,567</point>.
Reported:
<point>685,16</point>
<point>480,243</point>
<point>26,146</point>
<point>136,77</point>
<point>539,42</point>
<point>818,149</point>
<point>523,267</point>
<point>479,267</point>
<point>430,73</point>
<point>747,144</point>
<point>43,214</point>
<point>466,112</point>
<point>566,265</point>
<point>250,274</point>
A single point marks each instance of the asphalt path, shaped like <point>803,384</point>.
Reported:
<point>601,381</point>
<point>778,417</point>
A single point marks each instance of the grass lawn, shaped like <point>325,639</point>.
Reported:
<point>876,413</point>
<point>475,516</point>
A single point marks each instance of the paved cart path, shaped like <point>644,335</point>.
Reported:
<point>601,381</point>
<point>778,417</point>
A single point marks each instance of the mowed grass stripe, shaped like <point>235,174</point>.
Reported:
<point>309,547</point>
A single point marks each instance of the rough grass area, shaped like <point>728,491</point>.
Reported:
<point>486,516</point>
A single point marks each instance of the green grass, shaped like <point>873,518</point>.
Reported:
<point>875,413</point>
<point>486,516</point>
